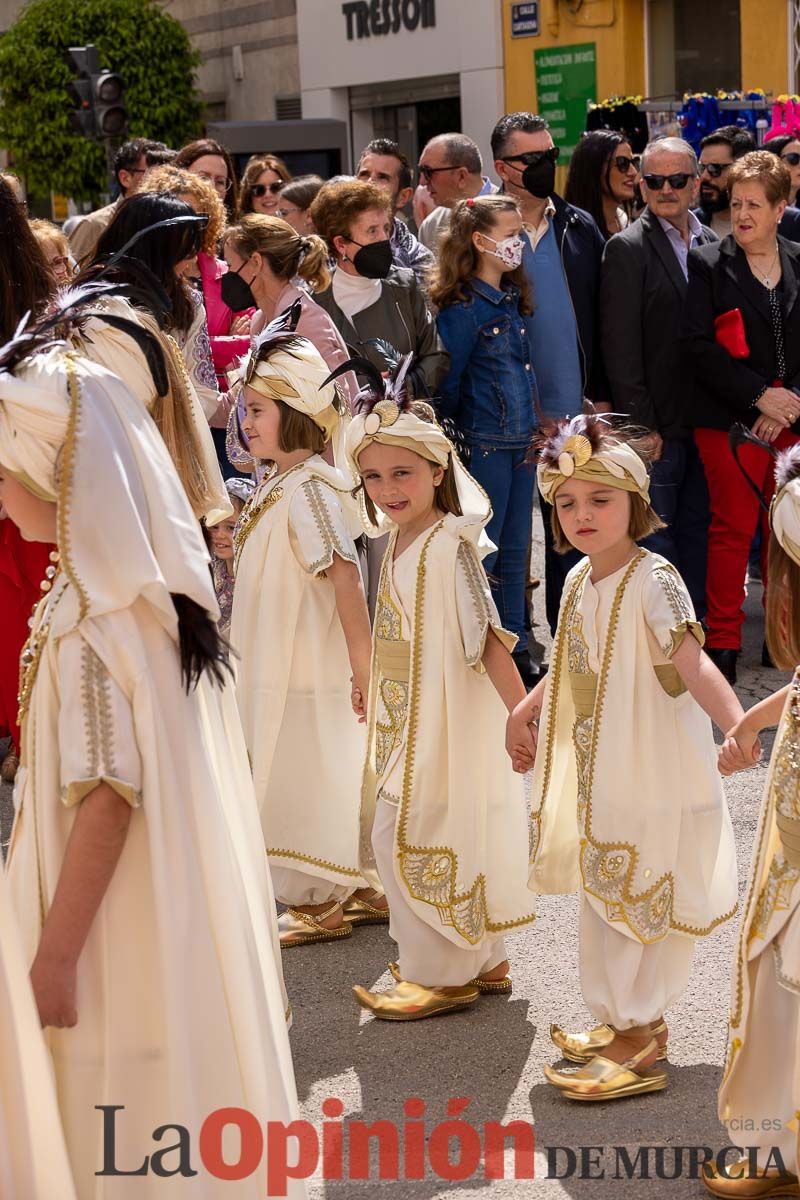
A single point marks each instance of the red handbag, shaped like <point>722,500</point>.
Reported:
<point>729,333</point>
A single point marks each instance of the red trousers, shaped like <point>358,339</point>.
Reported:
<point>735,513</point>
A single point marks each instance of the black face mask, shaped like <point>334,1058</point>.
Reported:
<point>374,260</point>
<point>236,292</point>
<point>540,178</point>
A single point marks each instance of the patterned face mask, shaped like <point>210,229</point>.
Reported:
<point>509,251</point>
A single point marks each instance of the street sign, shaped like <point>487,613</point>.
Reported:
<point>525,20</point>
<point>566,78</point>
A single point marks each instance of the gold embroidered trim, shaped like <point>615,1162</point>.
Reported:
<point>327,531</point>
<point>792,727</point>
<point>775,896</point>
<point>565,619</point>
<point>326,864</point>
<point>473,574</point>
<point>431,872</point>
<point>66,470</point>
<point>251,514</point>
<point>672,586</point>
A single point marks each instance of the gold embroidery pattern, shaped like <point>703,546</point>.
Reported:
<point>670,583</point>
<point>577,648</point>
<point>388,736</point>
<point>565,620</point>
<point>786,775</point>
<point>332,542</point>
<point>775,896</point>
<point>276,852</point>
<point>251,514</point>
<point>96,697</point>
<point>765,826</point>
<point>66,469</point>
<point>431,872</point>
<point>388,619</point>
<point>475,579</point>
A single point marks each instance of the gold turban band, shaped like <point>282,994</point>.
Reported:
<point>615,466</point>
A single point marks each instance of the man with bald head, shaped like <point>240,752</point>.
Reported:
<point>451,168</point>
<point>642,289</point>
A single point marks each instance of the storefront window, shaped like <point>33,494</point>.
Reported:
<point>694,47</point>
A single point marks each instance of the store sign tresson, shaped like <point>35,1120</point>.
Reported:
<point>373,18</point>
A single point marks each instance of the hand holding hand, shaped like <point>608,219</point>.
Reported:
<point>740,750</point>
<point>358,699</point>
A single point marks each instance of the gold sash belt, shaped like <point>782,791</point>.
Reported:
<point>394,659</point>
<point>583,685</point>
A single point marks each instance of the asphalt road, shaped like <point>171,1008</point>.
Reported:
<point>493,1054</point>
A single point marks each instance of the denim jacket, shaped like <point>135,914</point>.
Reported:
<point>489,391</point>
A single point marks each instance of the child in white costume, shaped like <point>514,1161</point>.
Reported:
<point>444,813</point>
<point>761,1084</point>
<point>627,803</point>
<point>134,870</point>
<point>33,1157</point>
<point>301,629</point>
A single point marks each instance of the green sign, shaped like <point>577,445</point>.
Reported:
<point>566,77</point>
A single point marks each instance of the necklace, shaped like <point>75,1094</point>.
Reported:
<point>765,276</point>
<point>33,649</point>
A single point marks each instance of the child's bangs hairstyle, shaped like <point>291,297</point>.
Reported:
<point>297,431</point>
<point>783,593</point>
<point>447,500</point>
<point>644,519</point>
<point>458,258</point>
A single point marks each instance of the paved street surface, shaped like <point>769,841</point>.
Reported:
<point>494,1053</point>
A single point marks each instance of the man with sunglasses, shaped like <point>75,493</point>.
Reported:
<point>451,168</point>
<point>642,293</point>
<point>718,152</point>
<point>562,252</point>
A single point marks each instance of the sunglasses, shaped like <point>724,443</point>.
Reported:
<point>677,182</point>
<point>714,170</point>
<point>792,158</point>
<point>534,157</point>
<point>624,164</point>
<point>261,189</point>
<point>427,173</point>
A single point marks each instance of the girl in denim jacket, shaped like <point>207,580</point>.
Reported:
<point>489,392</point>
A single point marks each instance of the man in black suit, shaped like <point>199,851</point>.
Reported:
<point>642,291</point>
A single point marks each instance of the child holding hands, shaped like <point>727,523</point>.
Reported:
<point>627,804</point>
<point>301,627</point>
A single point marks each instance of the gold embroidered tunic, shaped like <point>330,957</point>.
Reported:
<point>293,675</point>
<point>762,1078</point>
<point>436,743</point>
<point>627,800</point>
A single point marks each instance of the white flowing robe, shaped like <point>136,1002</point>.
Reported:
<point>627,801</point>
<point>293,678</point>
<point>33,1157</point>
<point>762,1077</point>
<point>180,1003</point>
<point>436,746</point>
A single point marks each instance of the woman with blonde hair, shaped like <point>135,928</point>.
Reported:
<point>264,176</point>
<point>266,259</point>
<point>55,248</point>
<point>228,331</point>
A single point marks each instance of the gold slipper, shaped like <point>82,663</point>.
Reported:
<point>297,928</point>
<point>487,987</point>
<point>603,1079</point>
<point>739,1182</point>
<point>582,1047</point>
<point>411,1001</point>
<point>361,912</point>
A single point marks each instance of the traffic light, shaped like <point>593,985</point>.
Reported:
<point>98,96</point>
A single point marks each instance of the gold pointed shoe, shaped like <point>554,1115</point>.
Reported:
<point>412,1002</point>
<point>603,1079</point>
<point>361,912</point>
<point>739,1182</point>
<point>297,928</point>
<point>487,987</point>
<point>582,1047</point>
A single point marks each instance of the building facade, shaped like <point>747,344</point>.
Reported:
<point>405,69</point>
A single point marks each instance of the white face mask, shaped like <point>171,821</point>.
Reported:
<point>509,251</point>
